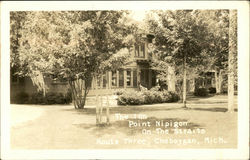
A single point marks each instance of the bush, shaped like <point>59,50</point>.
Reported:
<point>131,98</point>
<point>51,98</point>
<point>119,92</point>
<point>202,92</point>
<point>21,98</point>
<point>155,88</point>
<point>149,97</point>
<point>146,97</point>
<point>174,96</point>
<point>212,90</point>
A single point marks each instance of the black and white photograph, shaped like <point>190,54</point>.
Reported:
<point>126,79</point>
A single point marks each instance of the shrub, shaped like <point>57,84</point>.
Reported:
<point>51,98</point>
<point>21,98</point>
<point>149,97</point>
<point>119,92</point>
<point>202,92</point>
<point>146,97</point>
<point>155,88</point>
<point>158,97</point>
<point>174,96</point>
<point>212,90</point>
<point>130,98</point>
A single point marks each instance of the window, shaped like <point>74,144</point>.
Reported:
<point>104,81</point>
<point>99,81</point>
<point>209,81</point>
<point>142,53</point>
<point>128,77</point>
<point>137,51</point>
<point>135,78</point>
<point>121,78</point>
<point>114,78</point>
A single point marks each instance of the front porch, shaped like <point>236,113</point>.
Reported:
<point>124,78</point>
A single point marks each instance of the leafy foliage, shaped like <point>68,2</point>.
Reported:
<point>202,92</point>
<point>70,45</point>
<point>212,90</point>
<point>193,41</point>
<point>39,98</point>
<point>146,97</point>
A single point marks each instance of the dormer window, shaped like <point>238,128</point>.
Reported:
<point>140,50</point>
<point>137,51</point>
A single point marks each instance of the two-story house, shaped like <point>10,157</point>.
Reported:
<point>134,73</point>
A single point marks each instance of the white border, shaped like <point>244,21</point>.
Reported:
<point>243,102</point>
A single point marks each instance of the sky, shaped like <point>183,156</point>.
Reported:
<point>138,15</point>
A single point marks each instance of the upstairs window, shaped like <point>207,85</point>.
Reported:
<point>137,51</point>
<point>142,53</point>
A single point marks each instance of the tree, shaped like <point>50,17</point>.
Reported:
<point>74,46</point>
<point>218,26</point>
<point>180,40</point>
<point>16,24</point>
<point>232,57</point>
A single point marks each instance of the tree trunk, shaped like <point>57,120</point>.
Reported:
<point>79,92</point>
<point>231,57</point>
<point>220,80</point>
<point>192,85</point>
<point>171,78</point>
<point>184,81</point>
<point>216,81</point>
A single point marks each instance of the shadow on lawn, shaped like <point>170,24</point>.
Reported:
<point>123,126</point>
<point>216,109</point>
<point>206,100</point>
<point>122,110</point>
<point>191,97</point>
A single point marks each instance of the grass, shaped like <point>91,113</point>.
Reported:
<point>62,127</point>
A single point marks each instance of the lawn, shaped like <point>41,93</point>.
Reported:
<point>163,126</point>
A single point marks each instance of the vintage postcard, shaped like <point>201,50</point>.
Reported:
<point>125,80</point>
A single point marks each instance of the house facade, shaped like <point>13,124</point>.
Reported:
<point>136,72</point>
